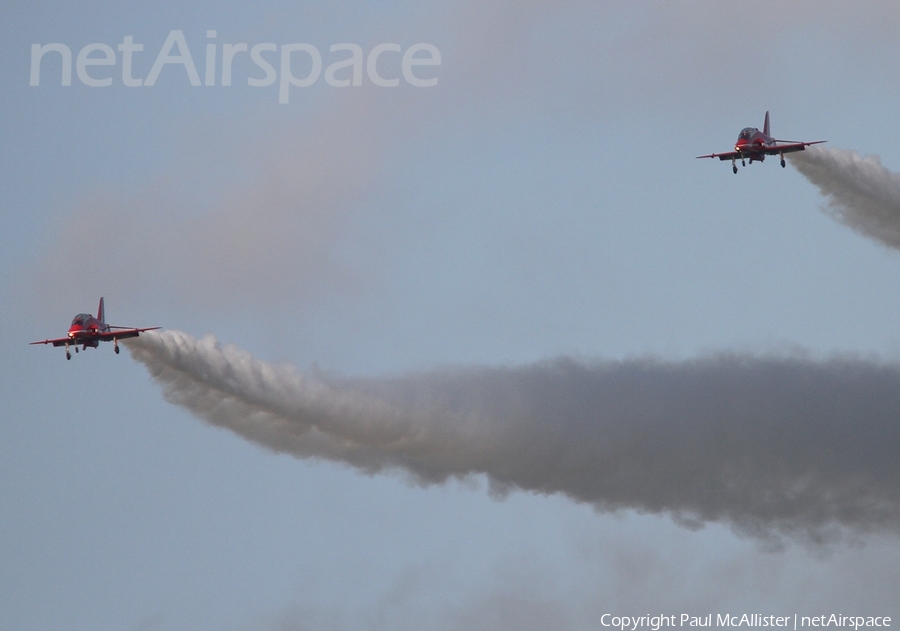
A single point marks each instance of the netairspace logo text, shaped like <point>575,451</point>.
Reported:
<point>655,623</point>
<point>344,71</point>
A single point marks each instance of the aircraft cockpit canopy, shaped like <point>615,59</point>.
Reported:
<point>81,318</point>
<point>746,132</point>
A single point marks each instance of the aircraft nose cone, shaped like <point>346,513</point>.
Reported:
<point>75,328</point>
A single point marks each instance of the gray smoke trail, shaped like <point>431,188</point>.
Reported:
<point>861,193</point>
<point>770,445</point>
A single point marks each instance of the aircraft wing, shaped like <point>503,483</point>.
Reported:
<point>770,150</point>
<point>730,155</point>
<point>121,333</point>
<point>790,148</point>
<point>60,341</point>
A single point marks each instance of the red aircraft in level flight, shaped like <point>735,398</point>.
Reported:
<point>753,144</point>
<point>86,330</point>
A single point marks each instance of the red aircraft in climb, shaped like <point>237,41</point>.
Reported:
<point>86,330</point>
<point>753,144</point>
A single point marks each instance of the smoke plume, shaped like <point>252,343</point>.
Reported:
<point>772,445</point>
<point>861,193</point>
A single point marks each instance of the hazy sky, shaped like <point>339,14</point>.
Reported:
<point>441,248</point>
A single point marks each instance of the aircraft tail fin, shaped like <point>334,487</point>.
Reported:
<point>100,311</point>
<point>766,126</point>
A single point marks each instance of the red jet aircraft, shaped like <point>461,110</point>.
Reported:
<point>753,144</point>
<point>87,330</point>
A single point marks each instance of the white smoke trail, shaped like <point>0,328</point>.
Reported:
<point>861,193</point>
<point>770,445</point>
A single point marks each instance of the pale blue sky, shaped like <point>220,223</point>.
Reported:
<point>542,199</point>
